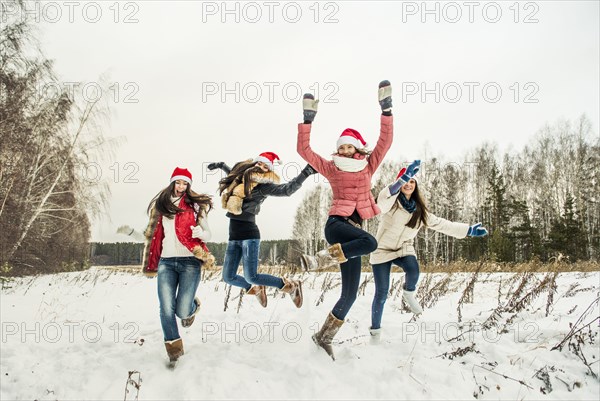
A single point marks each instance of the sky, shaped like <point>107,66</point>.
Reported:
<point>192,82</point>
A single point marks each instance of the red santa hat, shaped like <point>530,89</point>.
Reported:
<point>351,137</point>
<point>269,158</point>
<point>181,174</point>
<point>402,171</point>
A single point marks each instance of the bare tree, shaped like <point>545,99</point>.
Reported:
<point>45,201</point>
<point>310,219</point>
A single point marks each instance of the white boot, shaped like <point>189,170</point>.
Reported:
<point>411,300</point>
<point>308,262</point>
<point>324,259</point>
<point>375,335</point>
<point>321,260</point>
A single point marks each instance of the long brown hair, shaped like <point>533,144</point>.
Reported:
<point>162,201</point>
<point>240,171</point>
<point>419,216</point>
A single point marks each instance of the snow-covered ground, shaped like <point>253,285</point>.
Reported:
<point>77,336</point>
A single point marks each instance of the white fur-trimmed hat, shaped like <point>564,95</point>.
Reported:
<point>181,174</point>
<point>269,158</point>
<point>351,137</point>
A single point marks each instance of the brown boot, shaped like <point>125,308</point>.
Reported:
<point>324,337</point>
<point>188,321</point>
<point>332,256</point>
<point>261,294</point>
<point>174,349</point>
<point>294,288</point>
<point>336,251</point>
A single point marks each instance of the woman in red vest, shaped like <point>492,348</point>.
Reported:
<point>349,174</point>
<point>175,251</point>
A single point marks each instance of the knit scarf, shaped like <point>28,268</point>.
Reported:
<point>408,204</point>
<point>348,164</point>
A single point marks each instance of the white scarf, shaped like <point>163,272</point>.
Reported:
<point>348,164</point>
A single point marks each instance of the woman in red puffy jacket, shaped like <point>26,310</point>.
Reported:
<point>349,174</point>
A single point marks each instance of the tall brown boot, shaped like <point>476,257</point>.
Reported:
<point>174,349</point>
<point>324,337</point>
<point>294,288</point>
<point>261,294</point>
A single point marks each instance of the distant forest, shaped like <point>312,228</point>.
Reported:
<point>281,252</point>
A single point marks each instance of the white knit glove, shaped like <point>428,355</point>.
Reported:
<point>127,230</point>
<point>202,231</point>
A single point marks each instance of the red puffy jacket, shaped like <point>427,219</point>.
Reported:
<point>351,190</point>
<point>155,233</point>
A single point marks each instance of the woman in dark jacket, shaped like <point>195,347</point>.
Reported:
<point>242,191</point>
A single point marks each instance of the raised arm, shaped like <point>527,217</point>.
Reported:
<point>404,176</point>
<point>309,105</point>
<point>386,130</point>
<point>385,200</point>
<point>387,196</point>
<point>221,165</point>
<point>288,188</point>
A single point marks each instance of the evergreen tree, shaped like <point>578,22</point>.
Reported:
<point>566,236</point>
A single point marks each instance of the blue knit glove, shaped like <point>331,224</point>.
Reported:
<point>477,231</point>
<point>404,176</point>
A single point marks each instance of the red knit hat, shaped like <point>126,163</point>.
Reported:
<point>269,158</point>
<point>181,174</point>
<point>351,137</point>
<point>402,171</point>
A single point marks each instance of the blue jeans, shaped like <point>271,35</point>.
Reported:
<point>178,280</point>
<point>381,273</point>
<point>247,252</point>
<point>355,243</point>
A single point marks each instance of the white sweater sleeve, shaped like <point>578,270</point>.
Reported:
<point>130,232</point>
<point>138,236</point>
<point>206,235</point>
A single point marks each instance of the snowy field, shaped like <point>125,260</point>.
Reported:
<point>95,335</point>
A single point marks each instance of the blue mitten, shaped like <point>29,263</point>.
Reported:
<point>404,176</point>
<point>477,231</point>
